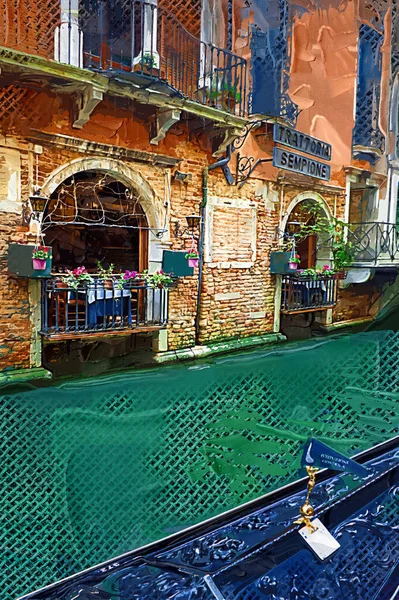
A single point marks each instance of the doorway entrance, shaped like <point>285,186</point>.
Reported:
<point>92,217</point>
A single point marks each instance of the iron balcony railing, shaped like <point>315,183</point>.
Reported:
<point>101,307</point>
<point>374,243</point>
<point>134,40</point>
<point>305,294</point>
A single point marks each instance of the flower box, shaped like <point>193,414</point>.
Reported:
<point>20,262</point>
<point>279,263</point>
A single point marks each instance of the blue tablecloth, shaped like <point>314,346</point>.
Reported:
<point>100,305</point>
<point>308,288</point>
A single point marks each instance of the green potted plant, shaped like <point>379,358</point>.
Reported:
<point>106,275</point>
<point>223,95</point>
<point>343,253</point>
<point>77,277</point>
<point>158,279</point>
<point>230,96</point>
<point>40,255</point>
<point>311,272</point>
<point>193,258</point>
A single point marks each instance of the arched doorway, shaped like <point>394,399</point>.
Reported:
<point>307,219</point>
<point>308,293</point>
<point>94,217</point>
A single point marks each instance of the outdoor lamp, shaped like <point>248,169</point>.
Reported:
<point>38,202</point>
<point>292,226</point>
<point>192,221</point>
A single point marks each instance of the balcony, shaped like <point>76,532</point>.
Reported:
<point>301,294</point>
<point>101,308</point>
<point>133,42</point>
<point>375,244</point>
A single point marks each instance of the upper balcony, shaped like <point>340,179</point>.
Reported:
<point>132,42</point>
<point>375,244</point>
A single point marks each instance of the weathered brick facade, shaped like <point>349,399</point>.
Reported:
<point>237,296</point>
<point>242,224</point>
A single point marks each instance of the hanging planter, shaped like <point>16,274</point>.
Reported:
<point>193,258</point>
<point>40,255</point>
<point>293,262</point>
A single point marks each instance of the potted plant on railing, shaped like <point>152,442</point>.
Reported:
<point>343,255</point>
<point>40,255</point>
<point>159,279</point>
<point>106,275</point>
<point>193,258</point>
<point>310,272</point>
<point>147,63</point>
<point>77,277</point>
<point>223,95</point>
<point>230,97</point>
<point>129,277</point>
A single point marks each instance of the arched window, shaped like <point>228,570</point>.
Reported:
<point>93,217</point>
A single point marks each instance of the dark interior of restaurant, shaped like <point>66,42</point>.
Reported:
<point>92,217</point>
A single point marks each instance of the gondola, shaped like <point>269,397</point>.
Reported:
<point>255,552</point>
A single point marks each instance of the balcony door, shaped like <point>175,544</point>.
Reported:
<point>307,250</point>
<point>312,249</point>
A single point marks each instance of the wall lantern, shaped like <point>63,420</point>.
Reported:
<point>293,227</point>
<point>38,202</point>
<point>193,222</point>
<point>35,208</point>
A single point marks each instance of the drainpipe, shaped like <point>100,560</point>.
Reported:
<point>222,163</point>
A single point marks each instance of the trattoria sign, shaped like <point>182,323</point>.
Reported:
<point>302,142</point>
<point>291,161</point>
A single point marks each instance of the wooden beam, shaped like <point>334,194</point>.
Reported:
<point>94,335</point>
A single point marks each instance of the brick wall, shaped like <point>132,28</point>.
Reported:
<point>355,302</point>
<point>15,326</point>
<point>238,290</point>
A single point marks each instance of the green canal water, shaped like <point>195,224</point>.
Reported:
<point>94,468</point>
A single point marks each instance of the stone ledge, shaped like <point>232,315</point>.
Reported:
<point>99,149</point>
<point>219,348</point>
<point>18,376</point>
<point>343,324</point>
<point>14,62</point>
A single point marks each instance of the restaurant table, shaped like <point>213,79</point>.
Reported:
<point>103,303</point>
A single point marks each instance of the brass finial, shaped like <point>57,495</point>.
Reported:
<point>307,510</point>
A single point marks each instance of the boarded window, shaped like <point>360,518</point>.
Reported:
<point>231,231</point>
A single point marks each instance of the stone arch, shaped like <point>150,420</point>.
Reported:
<point>324,254</point>
<point>301,198</point>
<point>150,202</point>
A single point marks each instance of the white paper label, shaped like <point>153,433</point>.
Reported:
<point>320,541</point>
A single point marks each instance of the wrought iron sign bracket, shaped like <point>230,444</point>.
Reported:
<point>246,165</point>
<point>251,126</point>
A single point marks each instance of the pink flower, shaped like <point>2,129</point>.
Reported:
<point>79,271</point>
<point>326,267</point>
<point>130,275</point>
